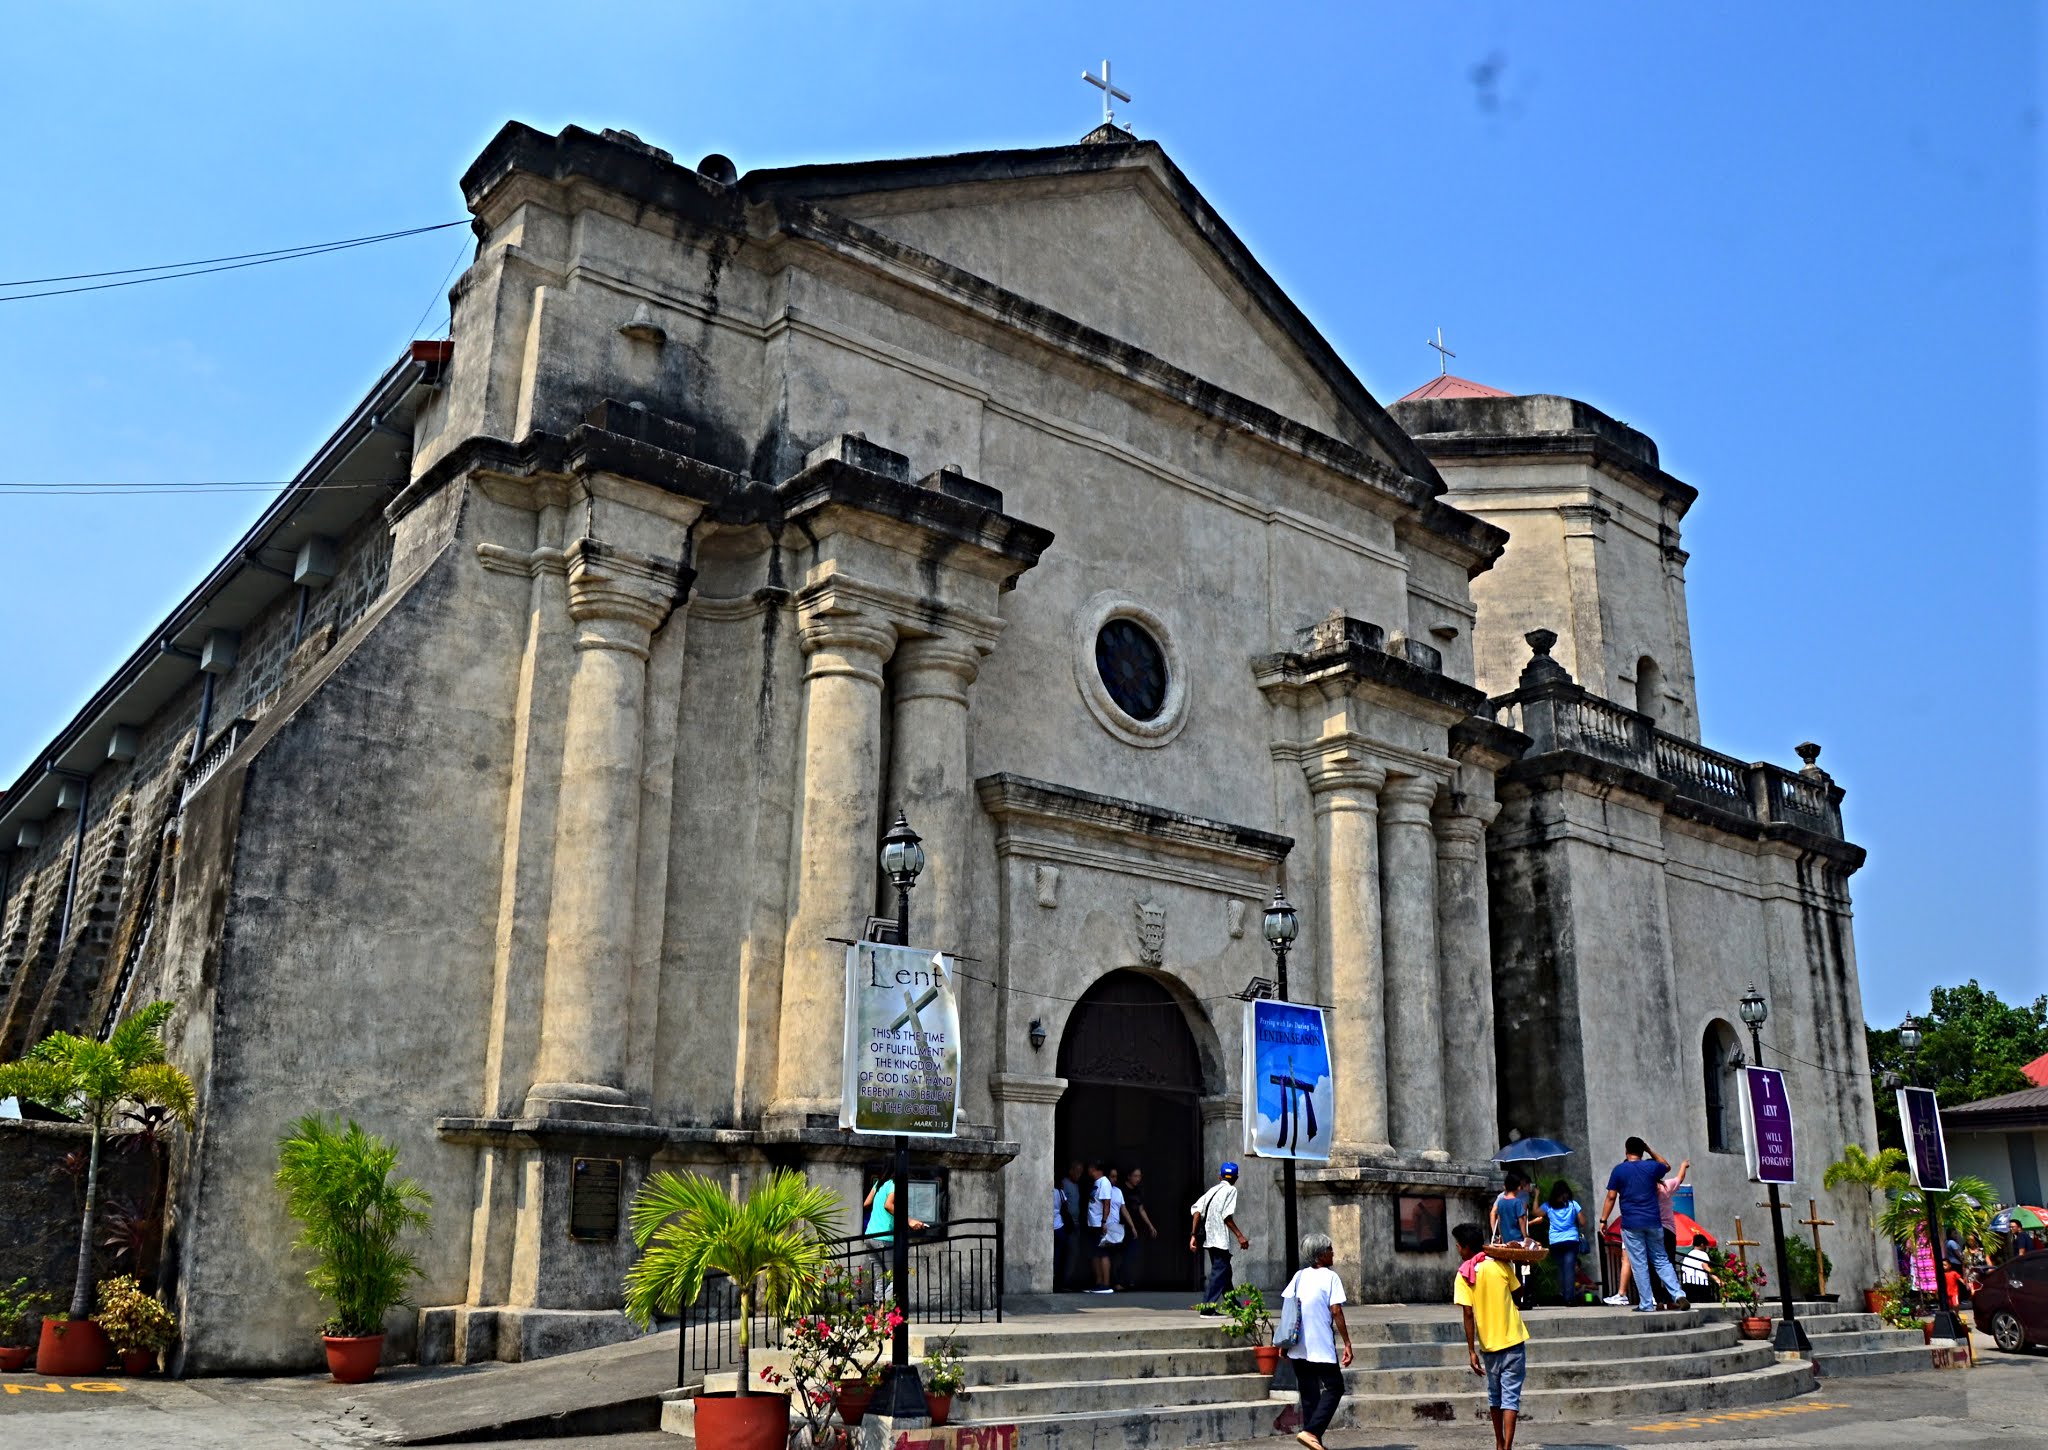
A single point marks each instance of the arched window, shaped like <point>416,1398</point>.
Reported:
<point>1649,690</point>
<point>1720,1056</point>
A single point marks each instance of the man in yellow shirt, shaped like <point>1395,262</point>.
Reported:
<point>1484,1287</point>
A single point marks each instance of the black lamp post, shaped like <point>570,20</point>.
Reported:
<point>1281,926</point>
<point>1789,1337</point>
<point>1947,1323</point>
<point>901,1393</point>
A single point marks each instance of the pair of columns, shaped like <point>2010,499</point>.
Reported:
<point>850,634</point>
<point>1408,960</point>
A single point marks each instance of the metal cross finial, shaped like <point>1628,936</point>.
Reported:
<point>1109,93</point>
<point>1443,363</point>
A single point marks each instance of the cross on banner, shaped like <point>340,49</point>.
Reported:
<point>1814,1221</point>
<point>1109,93</point>
<point>1742,1245</point>
<point>1443,362</point>
<point>1293,1092</point>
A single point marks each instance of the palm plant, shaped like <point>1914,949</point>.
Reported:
<point>337,1183</point>
<point>773,1241</point>
<point>1964,1207</point>
<point>1884,1173</point>
<point>92,1079</point>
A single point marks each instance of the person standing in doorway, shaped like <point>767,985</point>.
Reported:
<point>1633,1186</point>
<point>1496,1340</point>
<point>1213,1225</point>
<point>1059,1229</point>
<point>1140,1227</point>
<point>1073,1258</point>
<point>1565,1219</point>
<point>1318,1363</point>
<point>1105,1226</point>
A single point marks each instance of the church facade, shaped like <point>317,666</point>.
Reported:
<point>515,786</point>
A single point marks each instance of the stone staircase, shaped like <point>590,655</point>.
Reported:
<point>1091,1384</point>
<point>1853,1345</point>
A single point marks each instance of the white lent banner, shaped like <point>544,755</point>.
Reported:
<point>901,1071</point>
<point>1289,1110</point>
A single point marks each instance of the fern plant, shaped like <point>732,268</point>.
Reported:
<point>772,1243</point>
<point>338,1184</point>
<point>92,1080</point>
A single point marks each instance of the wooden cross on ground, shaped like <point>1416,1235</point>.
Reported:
<point>1814,1221</point>
<point>1742,1246</point>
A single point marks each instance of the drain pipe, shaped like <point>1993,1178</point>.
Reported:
<point>74,794</point>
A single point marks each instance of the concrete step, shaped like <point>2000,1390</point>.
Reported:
<point>1202,1425</point>
<point>1597,1374</point>
<point>1858,1364</point>
<point>1859,1341</point>
<point>1116,1364</point>
<point>1082,1339</point>
<point>1554,1350</point>
<point>999,1403</point>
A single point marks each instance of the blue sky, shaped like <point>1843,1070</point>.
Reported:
<point>1798,245</point>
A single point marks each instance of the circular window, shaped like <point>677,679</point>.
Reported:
<point>1128,671</point>
<point>1133,668</point>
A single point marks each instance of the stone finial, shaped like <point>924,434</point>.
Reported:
<point>1542,669</point>
<point>1810,754</point>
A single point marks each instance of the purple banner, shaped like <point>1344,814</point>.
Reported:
<point>1920,1117</point>
<point>1768,1116</point>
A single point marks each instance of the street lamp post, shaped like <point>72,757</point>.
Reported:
<point>1947,1324</point>
<point>1789,1336</point>
<point>901,1393</point>
<point>1282,925</point>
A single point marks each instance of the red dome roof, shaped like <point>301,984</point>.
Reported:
<point>1449,385</point>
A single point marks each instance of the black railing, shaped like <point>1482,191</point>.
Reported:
<point>956,1277</point>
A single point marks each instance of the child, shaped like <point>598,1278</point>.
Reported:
<point>1495,1337</point>
<point>1510,1214</point>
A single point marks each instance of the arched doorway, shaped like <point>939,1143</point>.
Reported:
<point>1133,1099</point>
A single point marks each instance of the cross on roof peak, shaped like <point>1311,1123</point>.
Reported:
<point>1110,94</point>
<point>1444,354</point>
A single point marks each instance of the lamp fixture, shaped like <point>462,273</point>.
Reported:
<point>1037,1034</point>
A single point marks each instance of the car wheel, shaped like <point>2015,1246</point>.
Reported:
<point>2006,1330</point>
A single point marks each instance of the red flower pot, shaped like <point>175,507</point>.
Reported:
<point>138,1361</point>
<point>938,1407</point>
<point>72,1347</point>
<point>12,1357</point>
<point>853,1400</point>
<point>1756,1326</point>
<point>1874,1301</point>
<point>351,1359</point>
<point>742,1422</point>
<point>1268,1357</point>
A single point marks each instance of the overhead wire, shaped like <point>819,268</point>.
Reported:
<point>171,271</point>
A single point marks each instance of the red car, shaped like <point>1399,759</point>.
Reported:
<point>2011,1304</point>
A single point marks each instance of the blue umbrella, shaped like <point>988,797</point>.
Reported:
<point>1531,1150</point>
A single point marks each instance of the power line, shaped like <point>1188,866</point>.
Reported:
<point>171,271</point>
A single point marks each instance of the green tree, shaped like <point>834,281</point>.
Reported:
<point>92,1080</point>
<point>1973,1046</point>
<point>772,1241</point>
<point>337,1183</point>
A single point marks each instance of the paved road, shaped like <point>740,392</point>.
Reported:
<point>2000,1405</point>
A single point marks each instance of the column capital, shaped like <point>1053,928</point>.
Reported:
<point>1405,800</point>
<point>936,667</point>
<point>845,644</point>
<point>1342,769</point>
<point>608,583</point>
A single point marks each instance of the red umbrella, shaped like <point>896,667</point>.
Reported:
<point>1689,1232</point>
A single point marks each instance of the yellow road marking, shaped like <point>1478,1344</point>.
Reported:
<point>83,1387</point>
<point>1730,1417</point>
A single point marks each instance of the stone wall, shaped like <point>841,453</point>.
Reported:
<point>42,1184</point>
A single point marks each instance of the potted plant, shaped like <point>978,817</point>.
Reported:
<point>944,1375</point>
<point>21,1311</point>
<point>91,1080</point>
<point>1882,1172</point>
<point>771,1243</point>
<point>1807,1276</point>
<point>1738,1283</point>
<point>1244,1317</point>
<point>139,1327</point>
<point>1895,1303</point>
<point>338,1184</point>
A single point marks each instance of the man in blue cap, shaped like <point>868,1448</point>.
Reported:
<point>1213,1223</point>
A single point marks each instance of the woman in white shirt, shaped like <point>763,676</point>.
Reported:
<point>1318,1364</point>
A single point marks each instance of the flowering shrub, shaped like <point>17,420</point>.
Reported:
<point>844,1340</point>
<point>944,1371</point>
<point>1737,1282</point>
<point>132,1319</point>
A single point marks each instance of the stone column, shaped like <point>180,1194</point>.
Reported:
<point>1027,1103</point>
<point>1466,951</point>
<point>928,780</point>
<point>1346,789</point>
<point>617,599</point>
<point>1414,1004</point>
<point>838,842</point>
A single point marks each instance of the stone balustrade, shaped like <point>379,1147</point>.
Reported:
<point>1558,715</point>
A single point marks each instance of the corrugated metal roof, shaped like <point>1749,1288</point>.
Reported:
<point>2027,1101</point>
<point>1450,385</point>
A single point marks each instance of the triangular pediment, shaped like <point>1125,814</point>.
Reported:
<point>1117,239</point>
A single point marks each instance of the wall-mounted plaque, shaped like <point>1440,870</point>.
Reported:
<point>1420,1224</point>
<point>594,1186</point>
